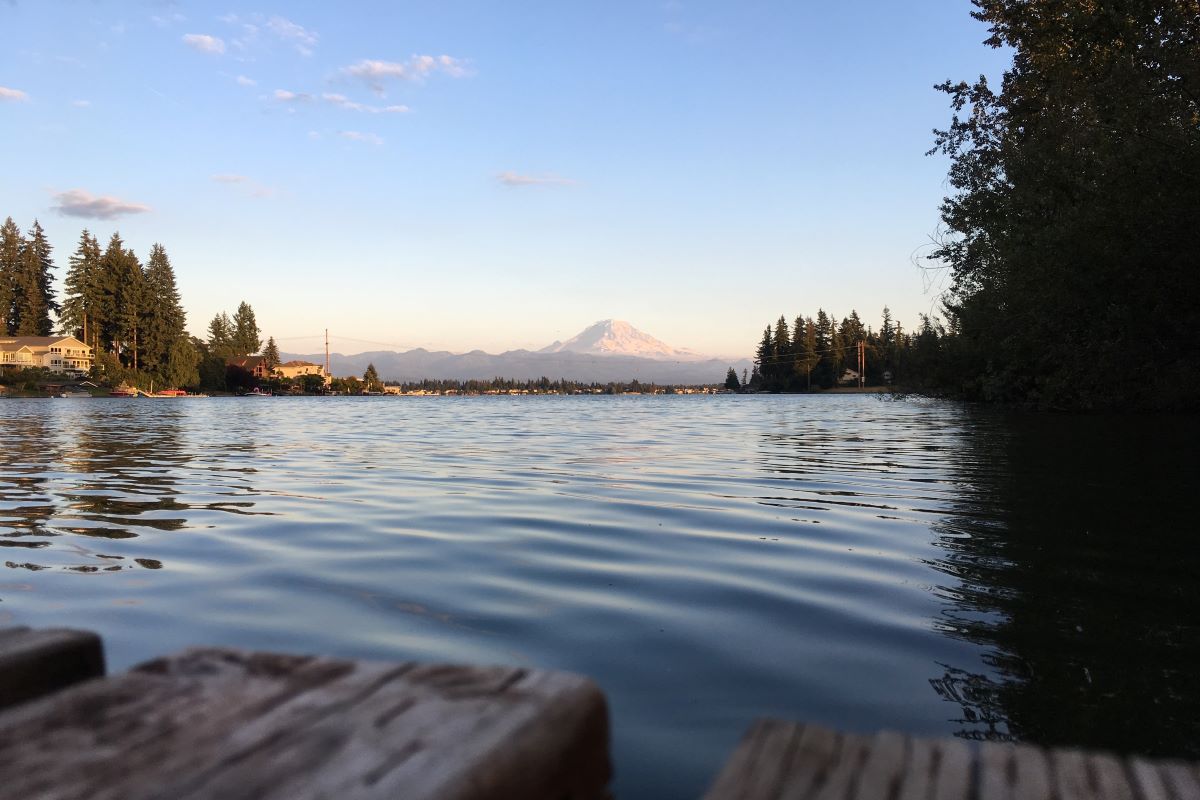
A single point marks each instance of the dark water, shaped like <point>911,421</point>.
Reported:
<point>859,562</point>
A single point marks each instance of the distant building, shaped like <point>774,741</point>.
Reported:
<point>295,369</point>
<point>255,365</point>
<point>55,353</point>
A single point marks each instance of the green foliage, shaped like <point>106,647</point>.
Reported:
<point>1073,225</point>
<point>80,292</point>
<point>33,297</point>
<point>245,336</point>
<point>731,380</point>
<point>371,380</point>
<point>11,243</point>
<point>271,354</point>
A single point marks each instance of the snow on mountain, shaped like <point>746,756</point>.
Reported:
<point>613,337</point>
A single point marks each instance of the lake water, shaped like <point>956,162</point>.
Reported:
<point>851,560</point>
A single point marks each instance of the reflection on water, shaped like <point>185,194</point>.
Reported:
<point>847,560</point>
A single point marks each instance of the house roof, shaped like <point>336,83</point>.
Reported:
<point>299,364</point>
<point>17,342</point>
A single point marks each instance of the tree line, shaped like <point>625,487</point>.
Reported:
<point>1072,234</point>
<point>816,352</point>
<point>129,312</point>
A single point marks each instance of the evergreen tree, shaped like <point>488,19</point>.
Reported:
<point>763,358</point>
<point>11,245</point>
<point>245,336</point>
<point>220,337</point>
<point>780,370</point>
<point>731,380</point>
<point>271,354</point>
<point>113,270</point>
<point>33,298</point>
<point>182,364</point>
<point>79,295</point>
<point>130,301</point>
<point>1075,204</point>
<point>824,373</point>
<point>165,319</point>
<point>371,379</point>
<point>806,350</point>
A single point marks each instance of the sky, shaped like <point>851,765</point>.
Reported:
<point>463,175</point>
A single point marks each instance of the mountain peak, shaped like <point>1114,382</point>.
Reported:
<point>615,337</point>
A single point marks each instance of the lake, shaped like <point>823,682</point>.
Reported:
<point>852,560</point>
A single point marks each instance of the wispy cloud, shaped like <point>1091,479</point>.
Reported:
<point>286,96</point>
<point>301,38</point>
<point>82,203</point>
<point>81,103</point>
<point>16,95</point>
<point>227,178</point>
<point>369,138</point>
<point>341,101</point>
<point>204,43</point>
<point>376,73</point>
<point>513,179</point>
<point>242,80</point>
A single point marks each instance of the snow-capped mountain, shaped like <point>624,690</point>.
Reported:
<point>613,337</point>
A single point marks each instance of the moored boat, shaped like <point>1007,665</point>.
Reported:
<point>123,390</point>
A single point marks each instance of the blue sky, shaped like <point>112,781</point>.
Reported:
<point>492,175</point>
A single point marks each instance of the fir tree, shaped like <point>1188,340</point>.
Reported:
<point>79,296</point>
<point>130,301</point>
<point>245,336</point>
<point>11,243</point>
<point>371,379</point>
<point>165,319</point>
<point>33,298</point>
<point>271,354</point>
<point>731,380</point>
<point>220,336</point>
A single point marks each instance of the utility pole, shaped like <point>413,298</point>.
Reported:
<point>862,364</point>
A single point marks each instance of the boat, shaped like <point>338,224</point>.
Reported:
<point>74,394</point>
<point>257,392</point>
<point>123,390</point>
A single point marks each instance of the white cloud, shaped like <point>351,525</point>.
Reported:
<point>250,187</point>
<point>369,138</point>
<point>242,80</point>
<point>12,94</point>
<point>514,179</point>
<point>303,39</point>
<point>204,43</point>
<point>229,18</point>
<point>375,73</point>
<point>341,101</point>
<point>285,96</point>
<point>82,203</point>
<point>230,178</point>
<point>81,103</point>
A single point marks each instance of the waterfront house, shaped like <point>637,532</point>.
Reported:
<point>56,353</point>
<point>255,365</point>
<point>296,369</point>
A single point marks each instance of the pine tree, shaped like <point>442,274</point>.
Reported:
<point>165,319</point>
<point>11,244</point>
<point>246,337</point>
<point>77,317</point>
<point>130,302</point>
<point>33,298</point>
<point>271,354</point>
<point>371,379</point>
<point>781,346</point>
<point>806,350</point>
<point>824,373</point>
<point>105,292</point>
<point>763,358</point>
<point>220,336</point>
<point>731,380</point>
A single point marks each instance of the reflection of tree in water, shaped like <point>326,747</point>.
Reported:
<point>101,472</point>
<point>1074,564</point>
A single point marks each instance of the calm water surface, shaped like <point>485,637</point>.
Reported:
<point>860,562</point>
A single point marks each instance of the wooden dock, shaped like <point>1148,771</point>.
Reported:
<point>778,760</point>
<point>235,725</point>
<point>218,723</point>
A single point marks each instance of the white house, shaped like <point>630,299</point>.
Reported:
<point>56,353</point>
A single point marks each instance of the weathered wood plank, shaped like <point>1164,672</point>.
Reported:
<point>1181,779</point>
<point>221,723</point>
<point>34,663</point>
<point>1109,778</point>
<point>884,767</point>
<point>815,752</point>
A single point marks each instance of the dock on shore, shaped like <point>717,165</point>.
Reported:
<point>236,725</point>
